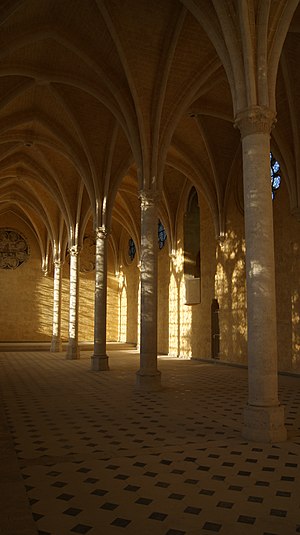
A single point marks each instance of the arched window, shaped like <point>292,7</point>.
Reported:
<point>192,259</point>
<point>275,174</point>
<point>131,249</point>
<point>162,235</point>
<point>192,264</point>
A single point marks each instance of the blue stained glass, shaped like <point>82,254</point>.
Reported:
<point>131,249</point>
<point>162,235</point>
<point>275,174</point>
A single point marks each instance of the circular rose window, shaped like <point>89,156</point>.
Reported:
<point>14,249</point>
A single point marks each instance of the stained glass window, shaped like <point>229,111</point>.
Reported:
<point>162,235</point>
<point>131,249</point>
<point>275,174</point>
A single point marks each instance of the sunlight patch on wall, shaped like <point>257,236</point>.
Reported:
<point>296,329</point>
<point>112,318</point>
<point>122,285</point>
<point>186,317</point>
<point>230,291</point>
<point>174,313</point>
<point>43,299</point>
<point>86,310</point>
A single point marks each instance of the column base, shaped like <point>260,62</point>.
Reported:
<point>56,346</point>
<point>264,424</point>
<point>150,381</point>
<point>73,352</point>
<point>99,363</point>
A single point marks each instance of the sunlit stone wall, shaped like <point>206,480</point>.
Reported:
<point>163,299</point>
<point>230,288</point>
<point>183,330</point>
<point>287,256</point>
<point>26,296</point>
<point>128,276</point>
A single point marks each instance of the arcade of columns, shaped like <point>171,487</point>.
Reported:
<point>263,416</point>
<point>250,55</point>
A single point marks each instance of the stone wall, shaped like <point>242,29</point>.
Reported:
<point>183,330</point>
<point>26,295</point>
<point>287,256</point>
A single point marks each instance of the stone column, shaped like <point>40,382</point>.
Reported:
<point>73,351</point>
<point>56,324</point>
<point>100,358</point>
<point>148,376</point>
<point>263,416</point>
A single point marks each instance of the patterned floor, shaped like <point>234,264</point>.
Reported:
<point>98,457</point>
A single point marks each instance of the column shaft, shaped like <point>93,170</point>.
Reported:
<point>73,349</point>
<point>148,376</point>
<point>100,358</point>
<point>56,325</point>
<point>264,417</point>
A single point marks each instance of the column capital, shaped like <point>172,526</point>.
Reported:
<point>149,197</point>
<point>74,250</point>
<point>102,232</point>
<point>57,262</point>
<point>257,119</point>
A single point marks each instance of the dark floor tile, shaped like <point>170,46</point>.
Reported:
<point>256,499</point>
<point>246,519</point>
<point>158,516</point>
<point>212,526</point>
<point>72,511</point>
<point>65,497</point>
<point>268,469</point>
<point>207,492</point>
<point>144,501</point>
<point>36,517</point>
<point>175,532</point>
<point>283,494</point>
<point>109,506</point>
<point>84,470</point>
<point>81,528</point>
<point>121,522</point>
<point>175,496</point>
<point>225,505</point>
<point>278,512</point>
<point>99,492</point>
<point>121,476</point>
<point>192,510</point>
<point>132,488</point>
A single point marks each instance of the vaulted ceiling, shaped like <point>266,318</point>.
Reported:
<point>98,98</point>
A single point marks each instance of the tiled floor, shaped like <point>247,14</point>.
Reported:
<point>99,457</point>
